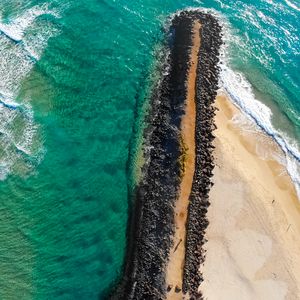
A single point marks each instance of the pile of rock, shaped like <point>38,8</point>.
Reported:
<point>151,225</point>
<point>152,220</point>
<point>206,91</point>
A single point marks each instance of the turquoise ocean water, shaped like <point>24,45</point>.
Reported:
<point>74,76</point>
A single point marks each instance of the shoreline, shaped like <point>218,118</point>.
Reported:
<point>206,207</point>
<point>254,217</point>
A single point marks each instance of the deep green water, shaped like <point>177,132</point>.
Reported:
<point>73,77</point>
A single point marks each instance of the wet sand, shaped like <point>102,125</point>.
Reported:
<point>246,244</point>
<point>253,248</point>
<point>174,270</point>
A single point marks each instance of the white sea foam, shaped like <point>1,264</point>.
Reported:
<point>35,44</point>
<point>22,41</point>
<point>240,91</point>
<point>14,141</point>
<point>7,102</point>
<point>292,5</point>
<point>16,28</point>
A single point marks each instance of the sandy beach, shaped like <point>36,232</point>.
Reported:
<point>252,249</point>
<point>215,219</point>
<point>174,270</point>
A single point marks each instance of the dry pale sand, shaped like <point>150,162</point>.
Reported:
<point>174,270</point>
<point>253,247</point>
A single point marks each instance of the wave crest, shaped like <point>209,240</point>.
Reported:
<point>240,91</point>
<point>22,41</point>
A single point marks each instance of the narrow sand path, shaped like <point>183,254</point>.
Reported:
<point>174,270</point>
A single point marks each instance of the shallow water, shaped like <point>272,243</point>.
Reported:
<point>73,77</point>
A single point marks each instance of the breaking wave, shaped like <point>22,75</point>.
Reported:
<point>240,91</point>
<point>22,41</point>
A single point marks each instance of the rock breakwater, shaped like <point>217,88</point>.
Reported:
<point>206,91</point>
<point>151,225</point>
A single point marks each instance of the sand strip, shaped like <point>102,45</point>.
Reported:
<point>253,248</point>
<point>174,270</point>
